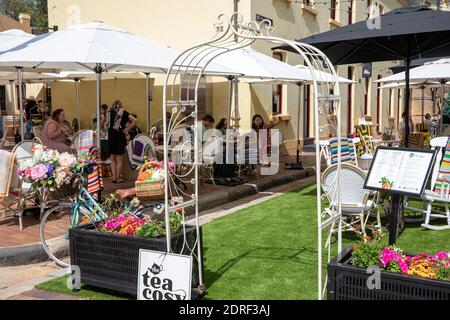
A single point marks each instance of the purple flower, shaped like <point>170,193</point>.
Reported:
<point>50,169</point>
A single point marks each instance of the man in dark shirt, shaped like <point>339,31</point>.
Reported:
<point>31,107</point>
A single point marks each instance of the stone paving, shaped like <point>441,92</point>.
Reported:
<point>12,236</point>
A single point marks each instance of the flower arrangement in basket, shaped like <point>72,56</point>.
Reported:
<point>48,168</point>
<point>150,181</point>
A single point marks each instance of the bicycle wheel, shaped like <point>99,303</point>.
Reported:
<point>54,232</point>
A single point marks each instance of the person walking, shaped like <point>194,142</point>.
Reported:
<point>116,121</point>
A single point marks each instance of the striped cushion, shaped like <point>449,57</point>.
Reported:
<point>443,177</point>
<point>347,150</point>
<point>6,168</point>
<point>95,179</point>
<point>363,132</point>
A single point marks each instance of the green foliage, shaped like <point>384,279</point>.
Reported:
<point>36,8</point>
<point>156,229</point>
<point>443,273</point>
<point>175,222</point>
<point>366,254</point>
<point>150,229</point>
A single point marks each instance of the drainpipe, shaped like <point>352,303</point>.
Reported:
<point>235,9</point>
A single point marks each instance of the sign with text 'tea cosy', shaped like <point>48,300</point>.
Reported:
<point>164,276</point>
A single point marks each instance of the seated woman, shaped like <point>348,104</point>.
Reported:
<point>54,134</point>
<point>222,126</point>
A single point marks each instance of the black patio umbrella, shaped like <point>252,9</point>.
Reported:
<point>403,34</point>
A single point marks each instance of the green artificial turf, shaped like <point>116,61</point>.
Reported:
<point>269,251</point>
<point>60,285</point>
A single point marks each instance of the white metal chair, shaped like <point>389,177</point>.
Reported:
<point>8,198</point>
<point>210,151</point>
<point>430,196</point>
<point>37,131</point>
<point>355,204</point>
<point>247,155</point>
<point>149,150</point>
<point>20,191</point>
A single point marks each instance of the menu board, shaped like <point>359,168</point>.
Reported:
<point>400,170</point>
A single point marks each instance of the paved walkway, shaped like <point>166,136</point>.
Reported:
<point>17,279</point>
<point>17,283</point>
<point>12,236</point>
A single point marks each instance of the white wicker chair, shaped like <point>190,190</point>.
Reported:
<point>430,197</point>
<point>355,204</point>
<point>21,191</point>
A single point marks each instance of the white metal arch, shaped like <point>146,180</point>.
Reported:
<point>185,76</point>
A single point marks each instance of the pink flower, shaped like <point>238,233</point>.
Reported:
<point>442,255</point>
<point>403,266</point>
<point>39,172</point>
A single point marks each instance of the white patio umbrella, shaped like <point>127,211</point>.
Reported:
<point>94,47</point>
<point>306,76</point>
<point>8,40</point>
<point>438,70</point>
<point>435,70</point>
<point>78,76</point>
<point>397,85</point>
<point>256,66</point>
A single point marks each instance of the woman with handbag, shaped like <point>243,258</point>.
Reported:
<point>116,122</point>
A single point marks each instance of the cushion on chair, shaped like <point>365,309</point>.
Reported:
<point>347,150</point>
<point>435,196</point>
<point>356,208</point>
<point>444,172</point>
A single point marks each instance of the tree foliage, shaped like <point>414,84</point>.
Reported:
<point>36,8</point>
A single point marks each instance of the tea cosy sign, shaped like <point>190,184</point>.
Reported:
<point>164,276</point>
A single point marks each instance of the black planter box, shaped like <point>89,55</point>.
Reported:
<point>110,261</point>
<point>348,282</point>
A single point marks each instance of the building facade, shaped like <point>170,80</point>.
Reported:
<point>9,91</point>
<point>182,24</point>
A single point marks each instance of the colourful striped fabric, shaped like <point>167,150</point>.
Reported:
<point>443,178</point>
<point>363,132</point>
<point>6,168</point>
<point>95,180</point>
<point>85,141</point>
<point>347,150</point>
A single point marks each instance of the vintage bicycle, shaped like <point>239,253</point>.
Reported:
<point>71,212</point>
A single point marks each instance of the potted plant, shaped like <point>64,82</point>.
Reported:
<point>368,270</point>
<point>107,253</point>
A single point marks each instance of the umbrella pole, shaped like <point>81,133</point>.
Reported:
<point>423,104</point>
<point>229,99</point>
<point>98,74</point>
<point>19,80</point>
<point>441,120</point>
<point>13,106</point>
<point>147,101</point>
<point>407,95</point>
<point>236,104</point>
<point>77,90</point>
<point>299,85</point>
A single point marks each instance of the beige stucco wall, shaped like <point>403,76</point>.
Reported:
<point>181,24</point>
<point>35,90</point>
